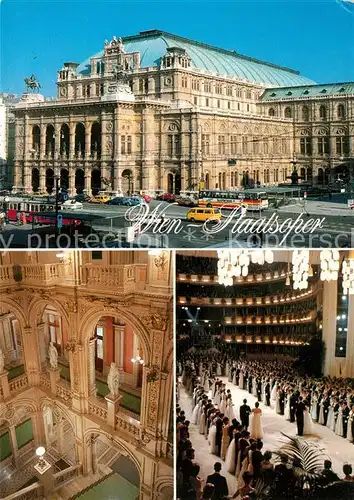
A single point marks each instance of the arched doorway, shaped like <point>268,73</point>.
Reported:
<point>36,138</point>
<point>80,140</point>
<point>207,181</point>
<point>64,140</point>
<point>320,176</point>
<point>303,174</point>
<point>170,183</point>
<point>127,182</point>
<point>50,141</point>
<point>96,140</point>
<point>327,176</point>
<point>64,179</point>
<point>54,330</point>
<point>177,183</point>
<point>79,180</point>
<point>49,179</point>
<point>341,174</point>
<point>96,180</point>
<point>309,175</point>
<point>35,180</point>
<point>59,436</point>
<point>11,343</point>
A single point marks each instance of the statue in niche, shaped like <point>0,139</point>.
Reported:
<point>2,361</point>
<point>113,380</point>
<point>53,355</point>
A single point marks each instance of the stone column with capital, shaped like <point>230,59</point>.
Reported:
<point>72,141</point>
<point>71,187</point>
<point>13,441</point>
<point>148,182</point>
<point>88,188</point>
<point>31,353</point>
<point>42,180</point>
<point>92,368</point>
<point>43,141</point>
<point>87,140</point>
<point>119,331</point>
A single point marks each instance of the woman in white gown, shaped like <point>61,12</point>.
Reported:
<point>212,438</point>
<point>229,410</point>
<point>218,370</point>
<point>339,423</point>
<point>350,436</point>
<point>308,425</point>
<point>202,421</point>
<point>273,395</point>
<point>230,459</point>
<point>196,413</point>
<point>223,402</point>
<point>234,377</point>
<point>330,416</point>
<point>240,381</point>
<point>321,415</point>
<point>314,407</point>
<point>287,406</point>
<point>256,423</point>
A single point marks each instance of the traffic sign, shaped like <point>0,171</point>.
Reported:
<point>60,221</point>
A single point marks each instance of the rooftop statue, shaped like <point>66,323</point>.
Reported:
<point>32,83</point>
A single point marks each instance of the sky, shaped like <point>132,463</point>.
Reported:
<point>314,37</point>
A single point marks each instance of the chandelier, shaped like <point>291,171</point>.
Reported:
<point>348,276</point>
<point>235,263</point>
<point>138,360</point>
<point>300,263</point>
<point>329,265</point>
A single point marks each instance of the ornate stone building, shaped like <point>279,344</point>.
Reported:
<point>97,308</point>
<point>157,112</point>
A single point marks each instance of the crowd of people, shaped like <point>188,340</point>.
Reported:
<point>237,439</point>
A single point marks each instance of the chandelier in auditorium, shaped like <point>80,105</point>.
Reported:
<point>348,276</point>
<point>329,265</point>
<point>235,263</point>
<point>301,262</point>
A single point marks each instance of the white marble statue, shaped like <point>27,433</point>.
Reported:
<point>53,355</point>
<point>113,380</point>
<point>2,361</point>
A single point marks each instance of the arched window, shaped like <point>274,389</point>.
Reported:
<point>323,112</point>
<point>305,114</point>
<point>232,179</point>
<point>36,138</point>
<point>287,112</point>
<point>340,111</point>
<point>271,112</point>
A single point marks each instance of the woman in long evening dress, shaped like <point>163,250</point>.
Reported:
<point>256,424</point>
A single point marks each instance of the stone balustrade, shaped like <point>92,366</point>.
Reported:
<point>6,275</point>
<point>36,490</point>
<point>66,475</point>
<point>122,276</point>
<point>49,274</point>
<point>18,383</point>
<point>44,381</point>
<point>127,424</point>
<point>98,409</point>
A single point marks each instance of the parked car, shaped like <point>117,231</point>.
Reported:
<point>100,198</point>
<point>82,197</point>
<point>169,197</point>
<point>72,205</point>
<point>146,197</point>
<point>118,201</point>
<point>204,214</point>
<point>187,202</point>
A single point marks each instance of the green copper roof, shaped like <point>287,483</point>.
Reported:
<point>308,91</point>
<point>153,44</point>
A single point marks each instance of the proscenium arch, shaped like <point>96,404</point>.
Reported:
<point>115,440</point>
<point>89,322</point>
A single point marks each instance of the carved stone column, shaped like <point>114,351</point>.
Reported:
<point>31,356</point>
<point>87,140</point>
<point>42,346</point>
<point>71,187</point>
<point>329,324</point>
<point>42,180</point>
<point>39,434</point>
<point>79,375</point>
<point>72,141</point>
<point>13,441</point>
<point>88,188</point>
<point>119,346</point>
<point>42,142</point>
<point>92,368</point>
<point>148,138</point>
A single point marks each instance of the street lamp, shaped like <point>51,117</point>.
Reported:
<point>6,201</point>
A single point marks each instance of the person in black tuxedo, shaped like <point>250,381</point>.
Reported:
<point>300,408</point>
<point>218,439</point>
<point>267,392</point>
<point>250,380</point>
<point>293,401</point>
<point>326,405</point>
<point>281,400</point>
<point>345,416</point>
<point>259,390</point>
<point>221,489</point>
<point>257,458</point>
<point>245,412</point>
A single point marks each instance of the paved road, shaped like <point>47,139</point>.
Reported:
<point>336,228</point>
